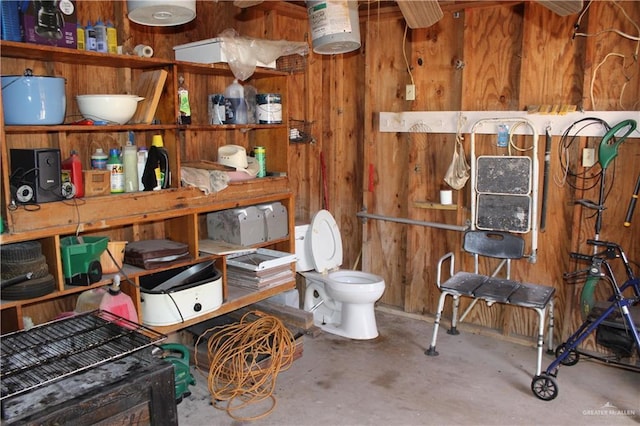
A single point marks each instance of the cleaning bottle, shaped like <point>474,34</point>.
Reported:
<point>130,163</point>
<point>143,154</point>
<point>99,160</point>
<point>183,102</point>
<point>118,303</point>
<point>90,37</point>
<point>235,105</point>
<point>80,37</point>
<point>112,38</point>
<point>74,166</point>
<point>157,174</point>
<point>116,171</point>
<point>101,36</point>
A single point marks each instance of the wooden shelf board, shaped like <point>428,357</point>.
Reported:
<point>66,128</point>
<point>434,206</point>
<point>12,49</point>
<point>54,218</point>
<point>237,298</point>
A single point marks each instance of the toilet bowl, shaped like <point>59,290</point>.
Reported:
<point>342,301</point>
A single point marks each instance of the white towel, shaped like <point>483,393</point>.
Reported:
<point>207,181</point>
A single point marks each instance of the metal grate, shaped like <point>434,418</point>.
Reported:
<point>32,358</point>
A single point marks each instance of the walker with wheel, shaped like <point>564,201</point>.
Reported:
<point>621,312</point>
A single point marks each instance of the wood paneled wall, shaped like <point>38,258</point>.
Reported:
<point>502,57</point>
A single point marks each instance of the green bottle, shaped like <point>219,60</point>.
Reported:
<point>116,171</point>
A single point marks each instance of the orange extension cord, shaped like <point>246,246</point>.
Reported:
<point>234,353</point>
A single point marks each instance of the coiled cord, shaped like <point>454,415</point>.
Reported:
<point>234,353</point>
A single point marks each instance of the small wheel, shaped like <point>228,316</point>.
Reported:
<point>95,271</point>
<point>572,357</point>
<point>544,387</point>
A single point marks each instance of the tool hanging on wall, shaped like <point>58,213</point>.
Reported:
<point>545,181</point>
<point>632,204</point>
<point>607,152</point>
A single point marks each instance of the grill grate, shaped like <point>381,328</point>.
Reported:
<point>51,351</point>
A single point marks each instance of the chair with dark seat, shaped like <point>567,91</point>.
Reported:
<point>490,288</point>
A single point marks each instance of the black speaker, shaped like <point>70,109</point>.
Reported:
<point>36,175</point>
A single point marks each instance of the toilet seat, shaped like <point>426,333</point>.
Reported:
<point>325,242</point>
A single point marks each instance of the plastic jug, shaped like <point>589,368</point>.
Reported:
<point>118,303</point>
<point>99,159</point>
<point>157,174</point>
<point>130,163</point>
<point>74,166</point>
<point>90,300</point>
<point>235,105</point>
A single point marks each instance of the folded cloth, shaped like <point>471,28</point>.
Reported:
<point>207,181</point>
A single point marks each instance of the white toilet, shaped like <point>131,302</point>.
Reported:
<point>342,301</point>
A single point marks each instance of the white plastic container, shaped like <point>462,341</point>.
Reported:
<point>335,26</point>
<point>130,168</point>
<point>235,104</point>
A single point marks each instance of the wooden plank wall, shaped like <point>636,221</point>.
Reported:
<point>513,56</point>
<point>502,57</point>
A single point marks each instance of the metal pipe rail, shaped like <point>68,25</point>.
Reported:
<point>364,215</point>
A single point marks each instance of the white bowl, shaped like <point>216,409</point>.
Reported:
<point>110,108</point>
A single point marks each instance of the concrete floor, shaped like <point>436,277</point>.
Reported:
<point>389,381</point>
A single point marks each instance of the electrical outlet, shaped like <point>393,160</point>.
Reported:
<point>588,157</point>
<point>411,92</point>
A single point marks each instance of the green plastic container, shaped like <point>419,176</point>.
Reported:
<point>81,259</point>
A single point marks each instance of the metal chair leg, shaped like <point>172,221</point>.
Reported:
<point>432,348</point>
<point>454,318</point>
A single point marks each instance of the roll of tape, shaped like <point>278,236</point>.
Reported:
<point>143,50</point>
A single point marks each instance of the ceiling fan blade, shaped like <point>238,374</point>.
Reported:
<point>246,3</point>
<point>420,13</point>
<point>564,7</point>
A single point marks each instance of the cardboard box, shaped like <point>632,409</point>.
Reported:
<point>207,52</point>
<point>96,182</point>
<point>51,23</point>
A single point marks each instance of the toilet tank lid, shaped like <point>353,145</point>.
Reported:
<point>326,242</point>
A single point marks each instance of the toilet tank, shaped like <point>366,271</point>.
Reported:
<point>303,252</point>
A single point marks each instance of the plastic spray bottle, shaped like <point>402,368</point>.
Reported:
<point>183,102</point>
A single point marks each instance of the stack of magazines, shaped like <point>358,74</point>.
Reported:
<point>260,269</point>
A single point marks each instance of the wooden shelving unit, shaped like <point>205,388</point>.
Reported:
<point>178,213</point>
